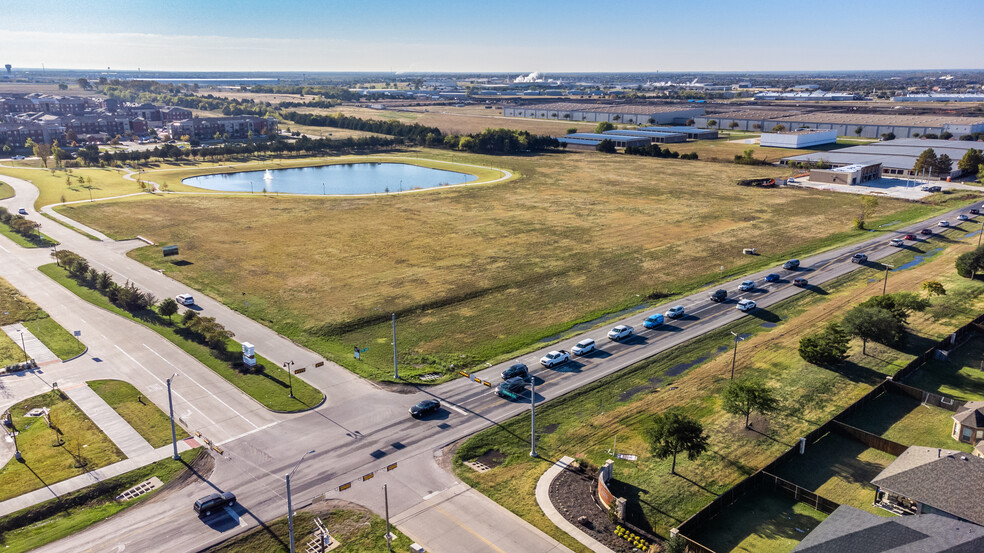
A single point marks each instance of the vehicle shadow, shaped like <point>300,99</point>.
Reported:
<point>221,521</point>
<point>439,415</point>
<point>568,367</point>
<point>816,289</point>
<point>597,354</point>
<point>688,317</point>
<point>634,340</point>
<point>669,328</point>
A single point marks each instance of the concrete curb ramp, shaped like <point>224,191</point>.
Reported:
<point>543,499</point>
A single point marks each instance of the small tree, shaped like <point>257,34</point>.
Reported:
<point>712,123</point>
<point>926,161</point>
<point>741,397</point>
<point>943,165</point>
<point>676,544</point>
<point>571,130</point>
<point>971,161</point>
<point>733,125</point>
<point>757,126</point>
<point>604,126</point>
<point>606,146</point>
<point>167,307</point>
<point>673,433</point>
<point>867,206</point>
<point>970,263</point>
<point>858,131</point>
<point>188,317</point>
<point>779,128</point>
<point>825,348</point>
<point>873,323</point>
<point>934,288</point>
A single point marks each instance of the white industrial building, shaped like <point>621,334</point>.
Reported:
<point>592,113</point>
<point>803,138</point>
<point>846,124</point>
<point>896,157</point>
<point>939,97</point>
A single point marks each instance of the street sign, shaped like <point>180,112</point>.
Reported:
<point>390,467</point>
<point>169,250</point>
<point>319,364</point>
<point>300,370</point>
<point>77,333</point>
<point>368,476</point>
<point>345,486</point>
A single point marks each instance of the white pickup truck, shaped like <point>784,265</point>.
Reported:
<point>555,358</point>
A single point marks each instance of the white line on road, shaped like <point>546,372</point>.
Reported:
<point>456,408</point>
<point>210,421</point>
<point>4,249</point>
<point>200,386</point>
<point>244,434</point>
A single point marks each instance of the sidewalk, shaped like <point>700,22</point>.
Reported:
<point>78,482</point>
<point>30,344</point>
<point>109,421</point>
<point>543,499</point>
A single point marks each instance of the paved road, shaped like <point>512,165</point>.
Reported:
<point>366,429</point>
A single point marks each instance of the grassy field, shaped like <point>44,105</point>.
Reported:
<point>841,470</point>
<point>905,420</point>
<point>761,522</point>
<point>25,530</point>
<point>149,421</point>
<point>576,236</point>
<point>51,454</point>
<point>62,185</point>
<point>725,150</point>
<point>583,423</point>
<point>269,387</point>
<point>356,529</point>
<point>16,308</point>
<point>959,376</point>
<point>6,191</point>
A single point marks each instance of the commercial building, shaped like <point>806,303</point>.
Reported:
<point>692,133</point>
<point>815,96</point>
<point>798,139</point>
<point>939,97</point>
<point>897,157</point>
<point>622,113</point>
<point>590,141</point>
<point>656,137</point>
<point>846,124</point>
<point>857,173</point>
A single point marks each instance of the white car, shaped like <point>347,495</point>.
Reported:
<point>555,358</point>
<point>897,242</point>
<point>944,223</point>
<point>747,285</point>
<point>584,347</point>
<point>674,312</point>
<point>184,299</point>
<point>746,305</point>
<point>620,332</point>
<point>963,217</point>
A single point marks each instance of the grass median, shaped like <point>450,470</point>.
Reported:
<point>17,308</point>
<point>269,387</point>
<point>38,240</point>
<point>149,421</point>
<point>54,519</point>
<point>6,191</point>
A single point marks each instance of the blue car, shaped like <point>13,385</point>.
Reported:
<point>653,321</point>
<point>772,277</point>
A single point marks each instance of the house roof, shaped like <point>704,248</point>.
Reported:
<point>850,530</point>
<point>971,414</point>
<point>946,480</point>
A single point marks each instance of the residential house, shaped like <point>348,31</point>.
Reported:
<point>932,480</point>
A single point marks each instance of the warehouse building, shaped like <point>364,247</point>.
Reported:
<point>855,173</point>
<point>798,139</point>
<point>846,124</point>
<point>593,113</point>
<point>692,133</point>
<point>815,96</point>
<point>656,137</point>
<point>897,157</point>
<point>939,97</point>
<point>590,141</point>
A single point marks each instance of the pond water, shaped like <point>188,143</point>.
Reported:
<point>348,178</point>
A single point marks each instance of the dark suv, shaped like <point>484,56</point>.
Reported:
<point>518,370</point>
<point>511,388</point>
<point>206,505</point>
<point>719,295</point>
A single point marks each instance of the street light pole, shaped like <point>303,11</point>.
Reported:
<point>396,368</point>
<point>386,502</point>
<point>290,510</point>
<point>734,356</point>
<point>981,234</point>
<point>290,379</point>
<point>885,283</point>
<point>533,416</point>
<point>170,408</point>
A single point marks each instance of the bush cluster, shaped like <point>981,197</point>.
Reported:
<point>653,150</point>
<point>127,296</point>
<point>636,541</point>
<point>20,225</point>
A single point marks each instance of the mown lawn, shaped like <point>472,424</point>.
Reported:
<point>761,522</point>
<point>50,521</point>
<point>959,376</point>
<point>905,420</point>
<point>34,241</point>
<point>54,454</point>
<point>149,421</point>
<point>570,239</point>
<point>63,185</point>
<point>17,308</point>
<point>6,191</point>
<point>269,387</point>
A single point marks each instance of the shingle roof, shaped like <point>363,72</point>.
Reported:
<point>850,530</point>
<point>971,414</point>
<point>950,481</point>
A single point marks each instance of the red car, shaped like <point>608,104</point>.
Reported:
<point>910,237</point>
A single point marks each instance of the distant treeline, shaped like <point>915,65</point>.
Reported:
<point>653,150</point>
<point>413,132</point>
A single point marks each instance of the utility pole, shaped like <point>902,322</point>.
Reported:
<point>981,234</point>
<point>533,416</point>
<point>885,283</point>
<point>170,408</point>
<point>389,536</point>
<point>734,356</point>
<point>396,368</point>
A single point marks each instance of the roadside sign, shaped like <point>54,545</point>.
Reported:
<point>319,364</point>
<point>345,486</point>
<point>300,370</point>
<point>368,476</point>
<point>390,467</point>
<point>487,383</point>
<point>169,250</point>
<point>77,333</point>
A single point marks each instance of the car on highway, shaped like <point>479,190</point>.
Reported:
<point>747,285</point>
<point>185,299</point>
<point>718,296</point>
<point>791,264</point>
<point>555,358</point>
<point>772,277</point>
<point>801,282</point>
<point>674,312</point>
<point>859,258</point>
<point>620,332</point>
<point>926,231</point>
<point>944,223</point>
<point>910,237</point>
<point>584,347</point>
<point>511,388</point>
<point>519,370</point>
<point>653,320</point>
<point>22,211</point>
<point>746,305</point>
<point>963,217</point>
<point>213,502</point>
<point>975,211</point>
<point>897,242</point>
<point>425,408</point>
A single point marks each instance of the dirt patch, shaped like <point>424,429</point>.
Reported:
<point>201,468</point>
<point>492,458</point>
<point>572,493</point>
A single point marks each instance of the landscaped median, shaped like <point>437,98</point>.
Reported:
<point>267,383</point>
<point>149,421</point>
<point>24,232</point>
<point>16,308</point>
<point>56,518</point>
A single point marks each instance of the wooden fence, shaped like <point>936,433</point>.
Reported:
<point>869,439</point>
<point>929,398</point>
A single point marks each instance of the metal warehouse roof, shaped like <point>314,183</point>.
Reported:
<point>839,157</point>
<point>678,130</point>
<point>640,132</point>
<point>597,136</point>
<point>602,108</point>
<point>585,141</point>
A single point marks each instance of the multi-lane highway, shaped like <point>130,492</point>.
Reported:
<point>362,428</point>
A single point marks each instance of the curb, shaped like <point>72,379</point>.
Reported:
<point>85,351</point>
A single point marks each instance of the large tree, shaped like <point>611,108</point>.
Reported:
<point>673,433</point>
<point>873,323</point>
<point>943,165</point>
<point>926,161</point>
<point>970,263</point>
<point>741,397</point>
<point>971,161</point>
<point>825,348</point>
<point>604,126</point>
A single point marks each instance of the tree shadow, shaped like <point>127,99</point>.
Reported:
<point>765,315</point>
<point>696,484</point>
<point>857,373</point>
<point>634,513</point>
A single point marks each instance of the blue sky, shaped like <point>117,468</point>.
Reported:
<point>493,35</point>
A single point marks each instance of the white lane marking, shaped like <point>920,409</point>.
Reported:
<point>200,386</point>
<point>4,249</point>
<point>244,434</point>
<point>455,407</point>
<point>432,494</point>
<point>164,383</point>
